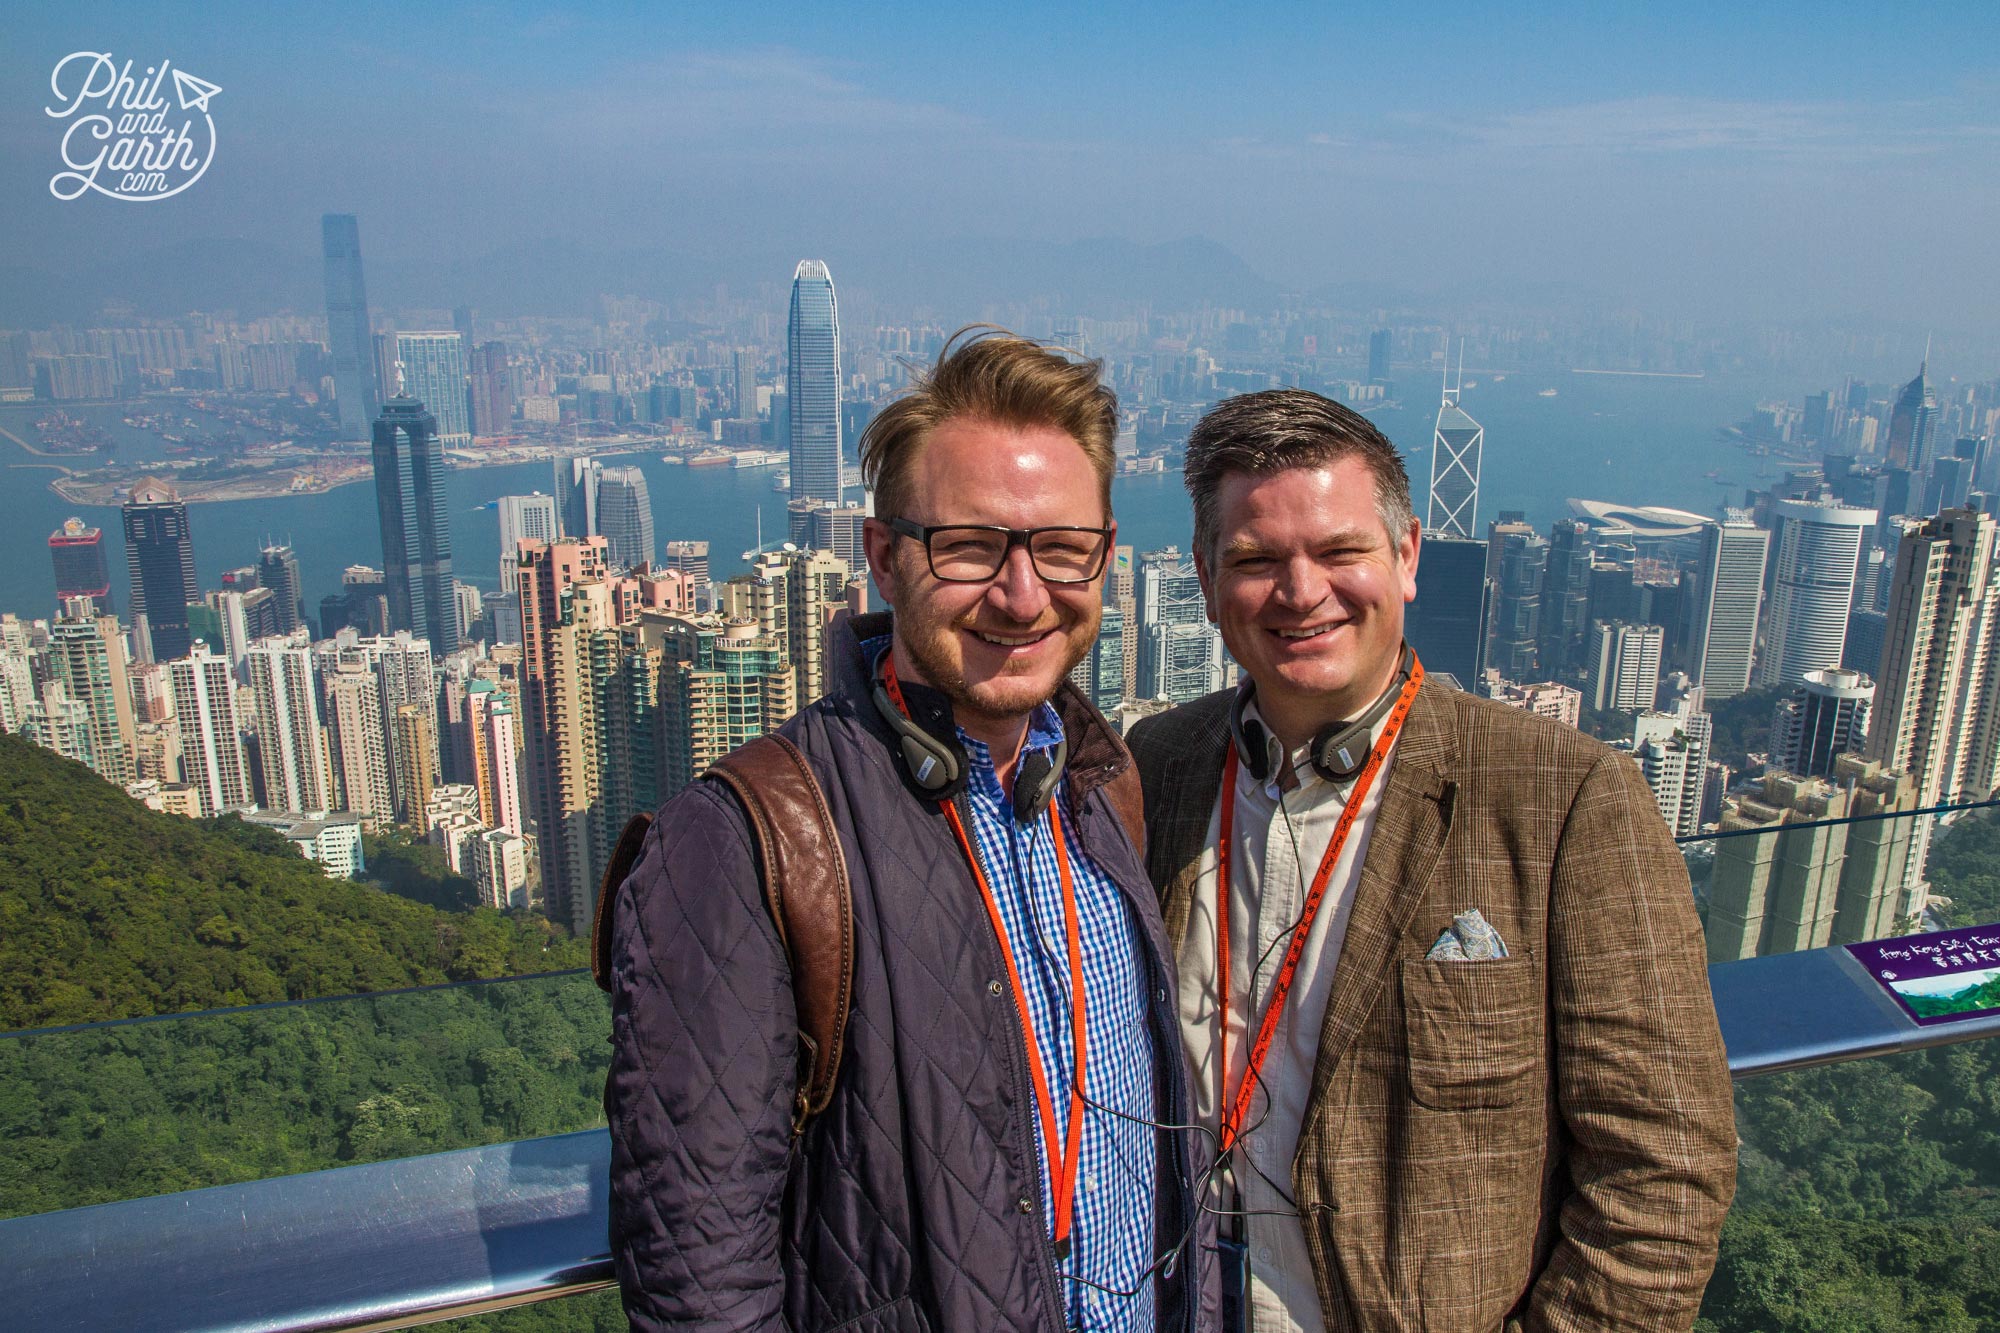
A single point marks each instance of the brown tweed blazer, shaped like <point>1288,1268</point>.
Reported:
<point>1546,1141</point>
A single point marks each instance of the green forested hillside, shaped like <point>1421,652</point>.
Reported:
<point>108,909</point>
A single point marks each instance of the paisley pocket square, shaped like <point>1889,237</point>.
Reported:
<point>1469,939</point>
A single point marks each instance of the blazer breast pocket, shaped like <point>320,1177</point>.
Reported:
<point>1474,1031</point>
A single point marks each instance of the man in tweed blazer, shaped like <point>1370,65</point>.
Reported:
<point>1539,1140</point>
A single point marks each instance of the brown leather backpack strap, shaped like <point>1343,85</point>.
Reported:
<point>631,842</point>
<point>811,900</point>
<point>1128,802</point>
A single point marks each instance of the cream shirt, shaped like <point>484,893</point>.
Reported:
<point>1279,839</point>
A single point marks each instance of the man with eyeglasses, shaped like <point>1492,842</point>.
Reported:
<point>1003,1147</point>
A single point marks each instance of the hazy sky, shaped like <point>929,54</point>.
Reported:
<point>1697,158</point>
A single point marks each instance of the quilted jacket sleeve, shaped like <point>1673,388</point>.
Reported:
<point>1641,1075</point>
<point>698,1098</point>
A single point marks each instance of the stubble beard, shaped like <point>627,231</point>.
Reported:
<point>922,636</point>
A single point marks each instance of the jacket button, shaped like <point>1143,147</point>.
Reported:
<point>1160,995</point>
<point>993,987</point>
<point>1027,1205</point>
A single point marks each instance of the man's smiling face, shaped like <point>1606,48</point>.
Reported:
<point>1001,647</point>
<point>1308,588</point>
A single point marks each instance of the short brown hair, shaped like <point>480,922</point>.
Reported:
<point>988,374</point>
<point>1279,429</point>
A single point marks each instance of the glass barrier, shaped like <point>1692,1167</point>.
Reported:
<point>120,1110</point>
<point>1809,883</point>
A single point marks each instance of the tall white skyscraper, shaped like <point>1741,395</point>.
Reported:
<point>434,375</point>
<point>524,518</point>
<point>360,741</point>
<point>1456,444</point>
<point>1723,603</point>
<point>291,745</point>
<point>1812,589</point>
<point>812,384</point>
<point>212,757</point>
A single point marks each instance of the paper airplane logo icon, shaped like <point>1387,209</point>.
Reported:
<point>194,93</point>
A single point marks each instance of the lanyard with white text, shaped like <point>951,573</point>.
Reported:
<point>1230,1116</point>
<point>1063,1161</point>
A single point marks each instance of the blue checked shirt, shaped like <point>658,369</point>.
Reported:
<point>1111,1231</point>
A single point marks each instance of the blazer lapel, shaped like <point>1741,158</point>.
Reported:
<point>1409,836</point>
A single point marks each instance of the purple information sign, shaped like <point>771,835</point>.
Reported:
<point>1938,978</point>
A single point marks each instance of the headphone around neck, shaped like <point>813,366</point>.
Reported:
<point>934,761</point>
<point>1340,749</point>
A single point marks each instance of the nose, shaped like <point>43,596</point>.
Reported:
<point>1017,590</point>
<point>1301,584</point>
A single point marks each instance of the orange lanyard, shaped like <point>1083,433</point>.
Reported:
<point>1230,1117</point>
<point>1063,1161</point>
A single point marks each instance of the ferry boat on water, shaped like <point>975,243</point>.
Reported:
<point>711,458</point>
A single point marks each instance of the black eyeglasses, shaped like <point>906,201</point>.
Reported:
<point>975,552</point>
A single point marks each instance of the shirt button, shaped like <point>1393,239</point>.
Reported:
<point>993,987</point>
<point>1026,1204</point>
<point>1264,1254</point>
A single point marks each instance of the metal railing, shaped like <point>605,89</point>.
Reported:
<point>420,1239</point>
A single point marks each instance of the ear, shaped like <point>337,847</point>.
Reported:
<point>1406,559</point>
<point>878,540</point>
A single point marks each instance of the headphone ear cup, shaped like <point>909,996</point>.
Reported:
<point>1252,749</point>
<point>1340,754</point>
<point>929,766</point>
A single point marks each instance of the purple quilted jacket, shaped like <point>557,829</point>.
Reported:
<point>912,1201</point>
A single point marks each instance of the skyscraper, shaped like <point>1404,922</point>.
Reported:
<point>414,514</point>
<point>576,496</point>
<point>359,737</point>
<point>524,518</point>
<point>1913,423</point>
<point>354,384</point>
<point>77,552</point>
<point>1181,655</point>
<point>812,384</point>
<point>1456,443</point>
<point>1378,356</point>
<point>1935,705</point>
<point>1446,622</point>
<point>87,654</point>
<point>212,757</point>
<point>433,369</point>
<point>1565,609</point>
<point>1722,606</point>
<point>278,570</point>
<point>291,745</point>
<point>1812,587</point>
<point>564,779</point>
<point>1824,718</point>
<point>1624,666</point>
<point>159,556</point>
<point>1516,560</point>
<point>625,517</point>
<point>492,392</point>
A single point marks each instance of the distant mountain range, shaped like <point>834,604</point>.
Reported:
<point>950,279</point>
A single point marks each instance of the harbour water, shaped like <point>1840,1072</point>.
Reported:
<point>1633,440</point>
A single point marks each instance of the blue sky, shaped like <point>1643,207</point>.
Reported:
<point>1715,158</point>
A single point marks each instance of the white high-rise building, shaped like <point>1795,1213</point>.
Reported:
<point>359,741</point>
<point>500,869</point>
<point>212,758</point>
<point>1812,588</point>
<point>500,752</point>
<point>1723,602</point>
<point>1181,655</point>
<point>524,518</point>
<point>433,366</point>
<point>1624,666</point>
<point>291,744</point>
